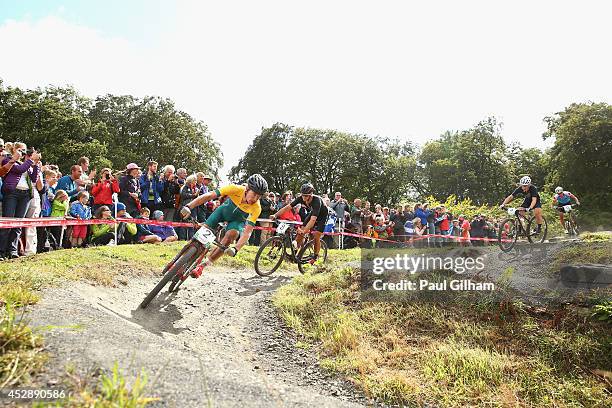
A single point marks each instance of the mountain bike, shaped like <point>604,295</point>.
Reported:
<point>519,225</point>
<point>282,246</point>
<point>569,223</point>
<point>186,262</point>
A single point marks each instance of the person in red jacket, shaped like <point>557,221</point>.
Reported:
<point>103,190</point>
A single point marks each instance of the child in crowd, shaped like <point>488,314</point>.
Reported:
<point>126,231</point>
<point>59,208</point>
<point>102,234</point>
<point>165,232</point>
<point>81,211</point>
<point>143,233</point>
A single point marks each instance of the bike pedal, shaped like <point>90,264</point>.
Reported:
<point>197,272</point>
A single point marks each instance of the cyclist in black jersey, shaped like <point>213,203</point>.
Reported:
<point>315,220</point>
<point>531,200</point>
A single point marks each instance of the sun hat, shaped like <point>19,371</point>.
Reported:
<point>132,166</point>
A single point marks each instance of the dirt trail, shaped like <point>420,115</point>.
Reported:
<point>216,343</point>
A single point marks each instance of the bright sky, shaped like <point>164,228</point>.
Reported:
<point>403,69</point>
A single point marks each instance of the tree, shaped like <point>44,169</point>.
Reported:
<point>357,165</point>
<point>152,128</point>
<point>470,164</point>
<point>582,154</point>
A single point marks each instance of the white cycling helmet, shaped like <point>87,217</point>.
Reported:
<point>559,190</point>
<point>525,181</point>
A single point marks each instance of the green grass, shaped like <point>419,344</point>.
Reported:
<point>594,252</point>
<point>467,350</point>
<point>109,390</point>
<point>21,350</point>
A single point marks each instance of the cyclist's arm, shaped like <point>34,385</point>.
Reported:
<point>244,237</point>
<point>202,199</point>
<point>508,199</point>
<point>575,198</point>
<point>534,200</point>
<point>554,202</point>
<point>281,211</point>
<point>311,223</point>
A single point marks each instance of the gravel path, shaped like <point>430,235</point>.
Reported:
<point>218,342</point>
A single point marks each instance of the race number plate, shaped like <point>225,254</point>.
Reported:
<point>282,228</point>
<point>511,211</point>
<point>567,208</point>
<point>204,235</point>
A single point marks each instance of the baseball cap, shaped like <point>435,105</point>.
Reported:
<point>132,166</point>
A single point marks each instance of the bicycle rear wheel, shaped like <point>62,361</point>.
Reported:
<point>306,257</point>
<point>508,234</point>
<point>269,256</point>
<point>532,233</point>
<point>182,263</point>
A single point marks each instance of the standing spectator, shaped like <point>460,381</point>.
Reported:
<point>102,234</point>
<point>69,184</point>
<point>398,220</point>
<point>445,223</point>
<point>151,188</point>
<point>465,230</point>
<point>357,216</point>
<point>431,226</point>
<point>285,200</point>
<point>104,189</point>
<point>59,208</point>
<point>169,191</point>
<point>165,232</point>
<point>266,202</point>
<point>81,211</point>
<point>202,182</point>
<point>340,207</point>
<point>189,192</point>
<point>129,190</point>
<point>181,176</point>
<point>367,218</point>
<point>421,213</point>
<point>17,189</point>
<point>477,230</point>
<point>87,178</point>
<point>34,209</point>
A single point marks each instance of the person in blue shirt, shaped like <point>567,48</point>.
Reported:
<point>68,183</point>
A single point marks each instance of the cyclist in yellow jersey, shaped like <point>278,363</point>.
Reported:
<point>240,211</point>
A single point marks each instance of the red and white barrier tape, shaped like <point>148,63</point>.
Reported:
<point>6,222</point>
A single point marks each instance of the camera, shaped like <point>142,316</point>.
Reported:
<point>30,151</point>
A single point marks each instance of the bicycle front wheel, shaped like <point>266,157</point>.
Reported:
<point>508,234</point>
<point>533,235</point>
<point>181,264</point>
<point>269,256</point>
<point>306,260</point>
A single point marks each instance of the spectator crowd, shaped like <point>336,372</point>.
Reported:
<point>412,224</point>
<point>30,189</point>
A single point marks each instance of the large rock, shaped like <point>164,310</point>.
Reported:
<point>586,276</point>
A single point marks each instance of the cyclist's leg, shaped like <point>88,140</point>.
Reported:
<point>316,237</point>
<point>561,215</point>
<point>538,215</point>
<point>229,237</point>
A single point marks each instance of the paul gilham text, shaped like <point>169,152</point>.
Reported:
<point>423,284</point>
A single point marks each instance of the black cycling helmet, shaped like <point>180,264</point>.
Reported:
<point>257,183</point>
<point>307,188</point>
